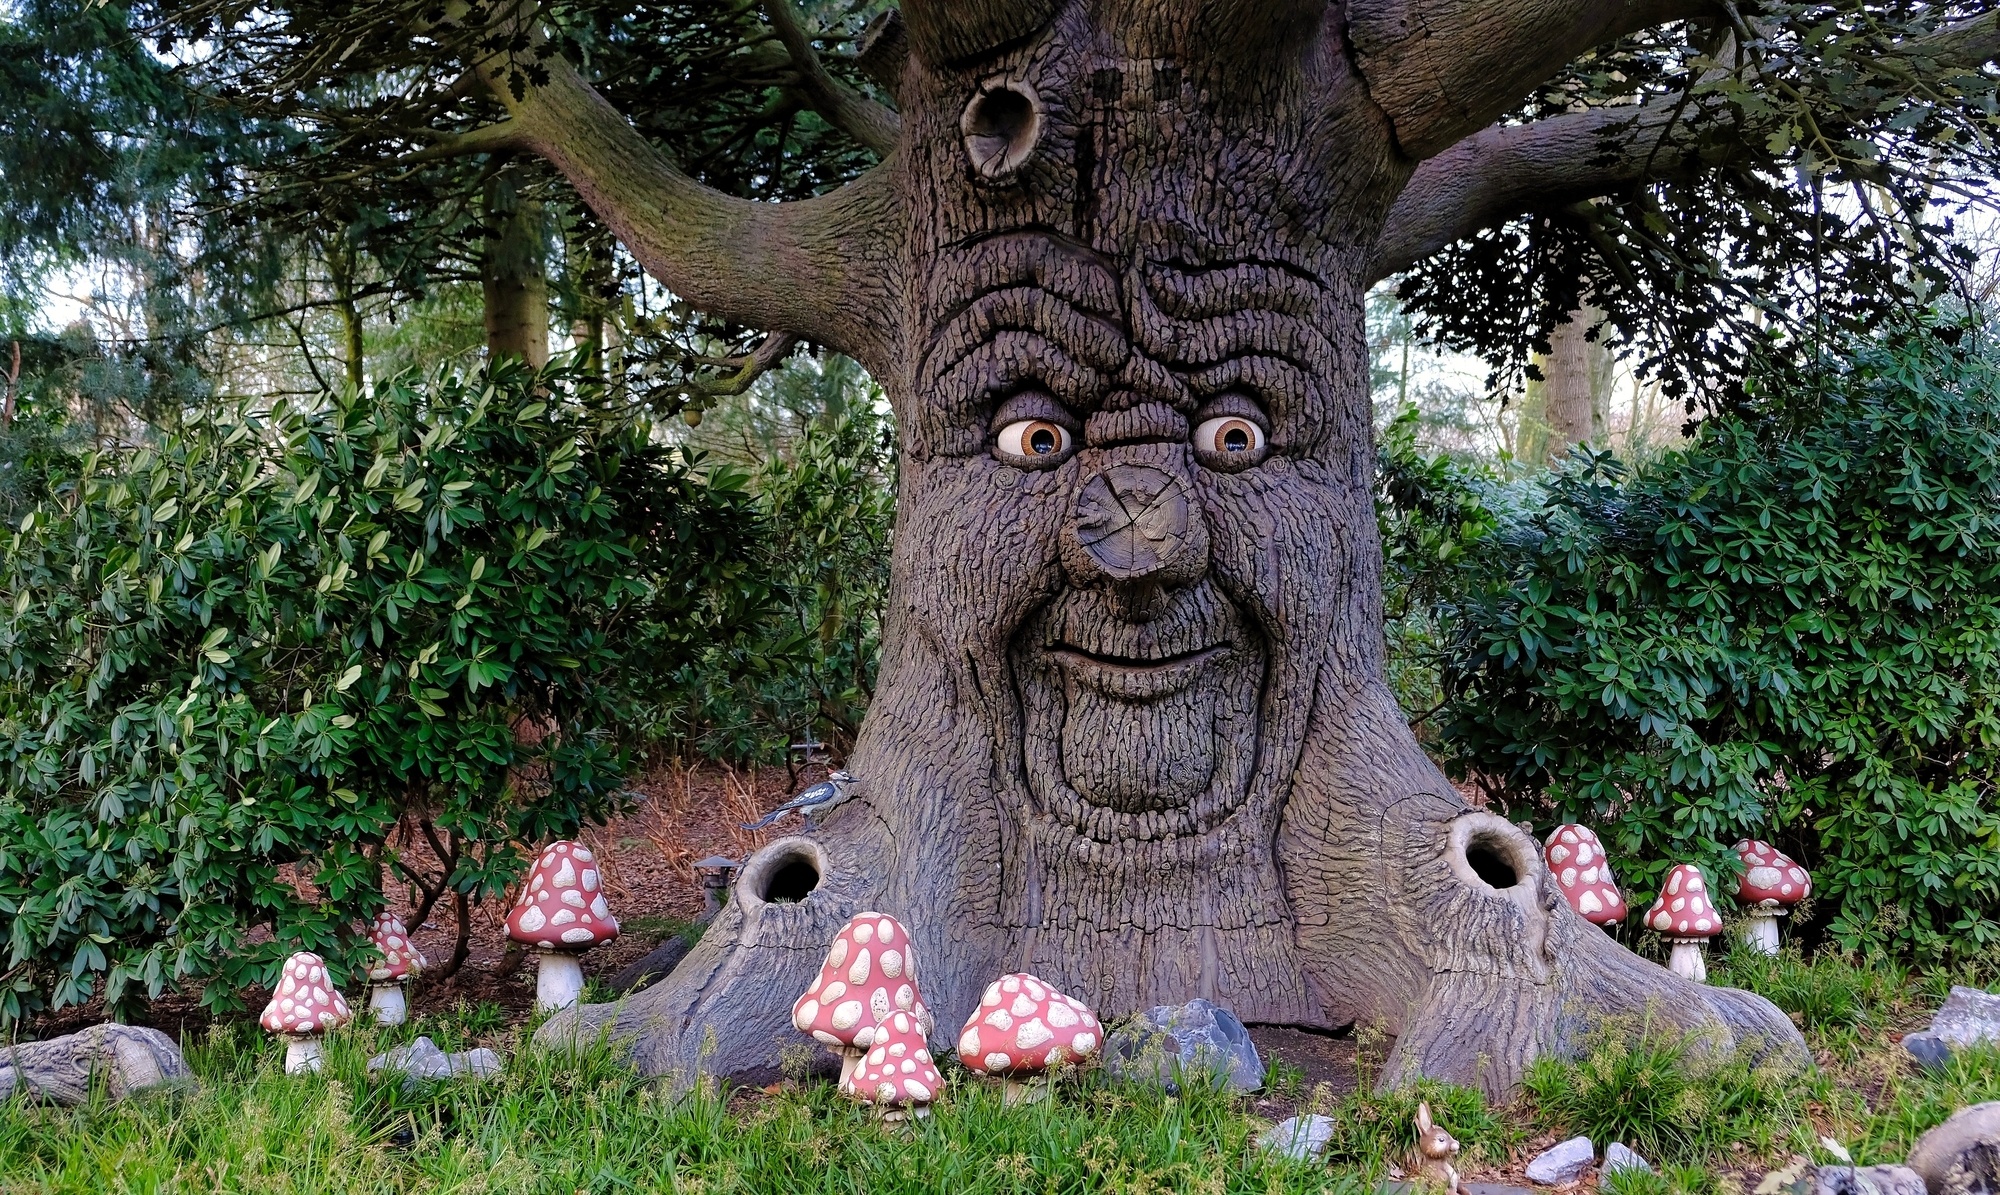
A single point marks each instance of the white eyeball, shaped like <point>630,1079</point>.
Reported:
<point>1033,439</point>
<point>1228,441</point>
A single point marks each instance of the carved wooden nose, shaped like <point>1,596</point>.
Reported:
<point>1132,520</point>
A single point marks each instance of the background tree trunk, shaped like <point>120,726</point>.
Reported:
<point>1131,731</point>
<point>514,275</point>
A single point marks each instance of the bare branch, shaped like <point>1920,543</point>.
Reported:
<point>1502,172</point>
<point>1441,69</point>
<point>819,267</point>
<point>848,110</point>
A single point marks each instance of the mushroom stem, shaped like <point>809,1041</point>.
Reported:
<point>301,1055</point>
<point>387,1002</point>
<point>1688,961</point>
<point>1760,933</point>
<point>1029,1090</point>
<point>558,981</point>
<point>850,1057</point>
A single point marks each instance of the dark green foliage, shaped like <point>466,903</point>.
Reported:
<point>1787,630</point>
<point>237,660</point>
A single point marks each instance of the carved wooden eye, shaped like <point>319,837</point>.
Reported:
<point>1229,442</point>
<point>1035,440</point>
<point>1001,127</point>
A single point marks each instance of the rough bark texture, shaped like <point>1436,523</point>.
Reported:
<point>1132,733</point>
<point>127,1059</point>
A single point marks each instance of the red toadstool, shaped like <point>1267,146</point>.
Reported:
<point>1772,883</point>
<point>1582,872</point>
<point>561,913</point>
<point>305,1005</point>
<point>869,974</point>
<point>897,1073</point>
<point>1024,1028</point>
<point>400,960</point>
<point>1684,916</point>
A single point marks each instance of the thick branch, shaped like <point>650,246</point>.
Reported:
<point>1442,69</point>
<point>1502,172</point>
<point>819,267</point>
<point>846,109</point>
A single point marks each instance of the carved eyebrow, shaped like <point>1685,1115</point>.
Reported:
<point>1196,343</point>
<point>1032,404</point>
<point>1042,258</point>
<point>1192,290</point>
<point>1098,342</point>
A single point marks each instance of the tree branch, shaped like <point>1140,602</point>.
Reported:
<point>821,267</point>
<point>1441,69</point>
<point>847,109</point>
<point>1502,172</point>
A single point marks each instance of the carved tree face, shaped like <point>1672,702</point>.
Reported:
<point>1135,429</point>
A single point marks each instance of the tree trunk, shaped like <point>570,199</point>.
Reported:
<point>514,270</point>
<point>1576,377</point>
<point>1131,732</point>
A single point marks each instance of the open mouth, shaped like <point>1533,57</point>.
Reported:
<point>1069,653</point>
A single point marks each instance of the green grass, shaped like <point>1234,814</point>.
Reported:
<point>568,1122</point>
<point>562,1123</point>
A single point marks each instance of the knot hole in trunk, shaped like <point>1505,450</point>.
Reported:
<point>784,872</point>
<point>1489,851</point>
<point>1001,127</point>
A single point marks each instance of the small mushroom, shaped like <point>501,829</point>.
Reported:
<point>1683,916</point>
<point>1022,1029</point>
<point>1772,883</point>
<point>305,1005</point>
<point>561,913</point>
<point>400,960</point>
<point>868,974</point>
<point>897,1075</point>
<point>1577,861</point>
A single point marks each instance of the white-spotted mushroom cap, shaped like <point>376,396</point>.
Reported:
<point>1770,878</point>
<point>1023,1026</point>
<point>1683,910</point>
<point>400,956</point>
<point>562,905</point>
<point>869,974</point>
<point>898,1068</point>
<point>306,1002</point>
<point>1582,872</point>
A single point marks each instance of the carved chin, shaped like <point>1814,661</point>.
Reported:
<point>1140,728</point>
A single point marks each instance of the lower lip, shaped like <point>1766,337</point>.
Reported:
<point>1137,679</point>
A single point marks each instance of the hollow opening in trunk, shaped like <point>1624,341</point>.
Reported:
<point>1491,860</point>
<point>790,880</point>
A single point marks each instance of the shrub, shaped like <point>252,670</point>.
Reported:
<point>234,662</point>
<point>1788,630</point>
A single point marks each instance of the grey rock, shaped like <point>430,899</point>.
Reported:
<point>1564,1162</point>
<point>1962,1155</point>
<point>423,1062</point>
<point>1301,1137</point>
<point>127,1059</point>
<point>1867,1180</point>
<point>1930,1051</point>
<point>655,966</point>
<point>1191,1037</point>
<point>1968,1017</point>
<point>1617,1157</point>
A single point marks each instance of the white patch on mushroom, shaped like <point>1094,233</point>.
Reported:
<point>565,876</point>
<point>878,1003</point>
<point>1010,985</point>
<point>968,1045</point>
<point>848,1015</point>
<point>1568,877</point>
<point>599,909</point>
<point>1023,1006</point>
<point>834,991</point>
<point>1031,1034</point>
<point>804,1014</point>
<point>992,995</point>
<point>579,934</point>
<point>825,1037</point>
<point>857,973</point>
<point>999,1019</point>
<point>892,963</point>
<point>1060,1015</point>
<point>574,899</point>
<point>1558,854</point>
<point>864,933</point>
<point>885,931</point>
<point>1588,903</point>
<point>562,917</point>
<point>906,998</point>
<point>1083,1043</point>
<point>590,879</point>
<point>996,1061</point>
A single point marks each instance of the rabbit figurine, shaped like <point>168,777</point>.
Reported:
<point>1431,1162</point>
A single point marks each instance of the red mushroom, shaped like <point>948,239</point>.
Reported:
<point>1577,861</point>
<point>1684,917</point>
<point>1772,883</point>
<point>305,1005</point>
<point>561,913</point>
<point>1024,1028</point>
<point>869,974</point>
<point>897,1075</point>
<point>400,960</point>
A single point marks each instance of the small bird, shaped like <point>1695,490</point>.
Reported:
<point>813,802</point>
